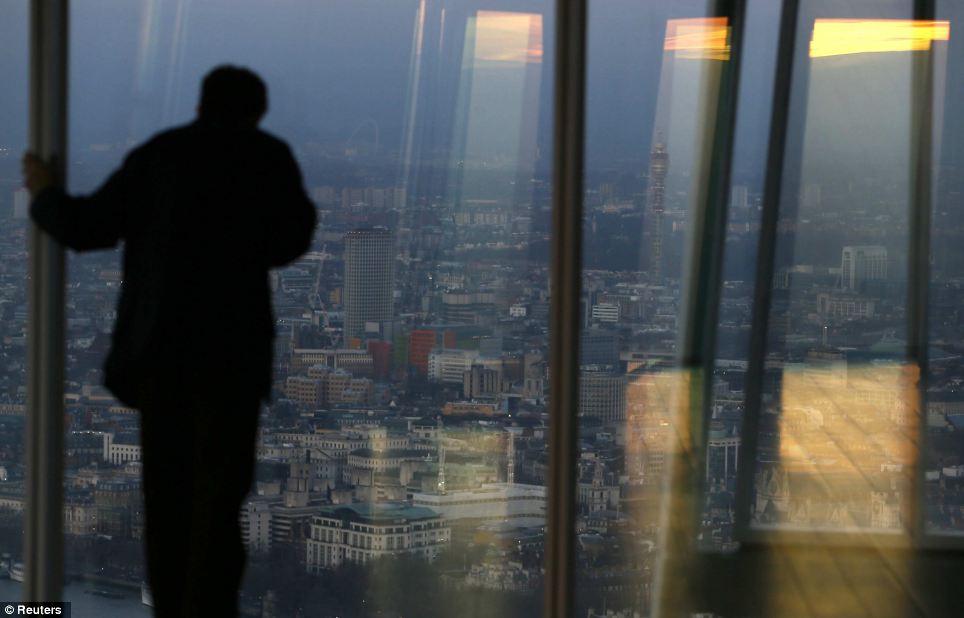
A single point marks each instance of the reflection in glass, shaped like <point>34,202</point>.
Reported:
<point>404,445</point>
<point>634,402</point>
<point>839,441</point>
<point>698,38</point>
<point>837,37</point>
<point>848,445</point>
<point>498,109</point>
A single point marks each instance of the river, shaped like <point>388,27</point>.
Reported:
<point>89,605</point>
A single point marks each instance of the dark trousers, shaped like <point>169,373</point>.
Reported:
<point>198,465</point>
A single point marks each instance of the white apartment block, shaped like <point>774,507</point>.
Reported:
<point>606,312</point>
<point>365,531</point>
<point>120,452</point>
<point>862,263</point>
<point>449,365</point>
<point>523,504</point>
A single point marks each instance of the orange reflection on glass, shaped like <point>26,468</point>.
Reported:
<point>702,38</point>
<point>847,447</point>
<point>838,37</point>
<point>503,36</point>
<point>656,424</point>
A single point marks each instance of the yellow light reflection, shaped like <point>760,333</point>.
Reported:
<point>503,36</point>
<point>847,448</point>
<point>838,37</point>
<point>847,451</point>
<point>703,38</point>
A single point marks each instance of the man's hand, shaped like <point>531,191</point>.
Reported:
<point>37,175</point>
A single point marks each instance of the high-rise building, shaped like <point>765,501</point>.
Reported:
<point>421,344</point>
<point>598,347</point>
<point>448,365</point>
<point>606,312</point>
<point>369,280</point>
<point>21,203</point>
<point>862,263</point>
<point>480,381</point>
<point>811,195</point>
<point>602,395</point>
<point>739,197</point>
<point>367,531</point>
<point>652,255</point>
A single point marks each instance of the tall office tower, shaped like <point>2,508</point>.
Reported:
<point>652,255</point>
<point>739,197</point>
<point>21,203</point>
<point>862,263</point>
<point>811,195</point>
<point>602,395</point>
<point>369,279</point>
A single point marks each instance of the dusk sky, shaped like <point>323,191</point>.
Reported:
<point>331,66</point>
<point>339,68</point>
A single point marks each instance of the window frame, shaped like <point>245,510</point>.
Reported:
<point>49,62</point>
<point>44,553</point>
<point>915,536</point>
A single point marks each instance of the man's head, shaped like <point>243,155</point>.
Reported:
<point>234,96</point>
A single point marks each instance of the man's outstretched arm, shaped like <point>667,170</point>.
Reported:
<point>292,220</point>
<point>81,223</point>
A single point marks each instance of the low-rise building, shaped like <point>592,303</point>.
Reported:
<point>365,531</point>
<point>460,408</point>
<point>449,365</point>
<point>256,526</point>
<point>119,449</point>
<point>524,504</point>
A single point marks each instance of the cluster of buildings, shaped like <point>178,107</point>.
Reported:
<point>409,413</point>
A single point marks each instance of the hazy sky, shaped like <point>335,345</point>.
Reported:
<point>332,65</point>
<point>342,67</point>
<point>13,72</point>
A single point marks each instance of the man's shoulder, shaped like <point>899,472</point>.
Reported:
<point>272,141</point>
<point>190,137</point>
<point>164,140</point>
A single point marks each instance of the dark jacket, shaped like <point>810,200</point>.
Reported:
<point>204,211</point>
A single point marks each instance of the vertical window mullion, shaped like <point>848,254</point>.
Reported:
<point>565,282</point>
<point>45,328</point>
<point>679,583</point>
<point>918,292</point>
<point>773,186</point>
<point>703,281</point>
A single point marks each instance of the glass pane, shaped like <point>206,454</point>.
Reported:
<point>839,423</point>
<point>403,446</point>
<point>653,85</point>
<point>14,203</point>
<point>103,507</point>
<point>944,446</point>
<point>725,440</point>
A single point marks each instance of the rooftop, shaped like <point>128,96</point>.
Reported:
<point>379,512</point>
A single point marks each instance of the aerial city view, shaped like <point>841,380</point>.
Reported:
<point>404,447</point>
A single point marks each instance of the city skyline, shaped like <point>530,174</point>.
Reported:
<point>405,443</point>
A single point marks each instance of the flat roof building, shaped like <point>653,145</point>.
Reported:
<point>365,531</point>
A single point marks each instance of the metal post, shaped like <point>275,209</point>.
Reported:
<point>45,322</point>
<point>678,579</point>
<point>772,191</point>
<point>703,282</point>
<point>565,279</point>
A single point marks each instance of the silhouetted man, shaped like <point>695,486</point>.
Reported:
<point>203,211</point>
